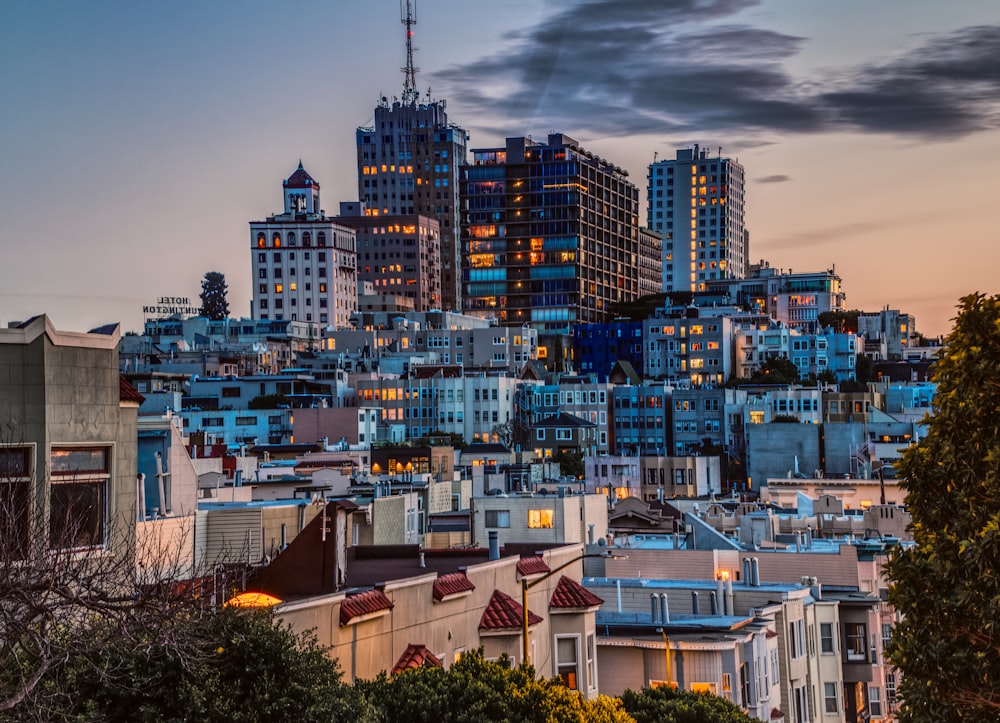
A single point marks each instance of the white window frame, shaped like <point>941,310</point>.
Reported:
<point>575,663</point>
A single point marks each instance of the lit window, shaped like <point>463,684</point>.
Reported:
<point>566,661</point>
<point>278,288</point>
<point>538,519</point>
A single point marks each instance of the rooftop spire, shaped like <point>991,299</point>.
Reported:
<point>408,15</point>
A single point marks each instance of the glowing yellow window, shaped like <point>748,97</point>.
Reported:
<point>278,288</point>
<point>291,286</point>
<point>322,288</point>
<point>538,519</point>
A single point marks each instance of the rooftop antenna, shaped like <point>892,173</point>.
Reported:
<point>408,16</point>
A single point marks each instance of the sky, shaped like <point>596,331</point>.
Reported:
<point>138,139</point>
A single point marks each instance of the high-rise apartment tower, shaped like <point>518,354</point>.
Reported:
<point>696,202</point>
<point>408,162</point>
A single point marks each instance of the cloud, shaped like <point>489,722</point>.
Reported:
<point>777,178</point>
<point>684,67</point>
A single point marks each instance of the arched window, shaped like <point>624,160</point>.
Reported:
<point>276,240</point>
<point>291,238</point>
<point>306,238</point>
<point>261,240</point>
<point>321,238</point>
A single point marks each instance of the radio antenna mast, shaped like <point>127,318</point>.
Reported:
<point>408,16</point>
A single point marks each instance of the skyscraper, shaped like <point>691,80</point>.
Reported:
<point>305,263</point>
<point>550,234</point>
<point>408,162</point>
<point>697,203</point>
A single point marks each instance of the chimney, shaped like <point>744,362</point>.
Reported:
<point>755,572</point>
<point>664,610</point>
<point>714,602</point>
<point>694,603</point>
<point>423,562</point>
<point>494,545</point>
<point>747,575</point>
<point>730,609</point>
<point>720,589</point>
<point>654,607</point>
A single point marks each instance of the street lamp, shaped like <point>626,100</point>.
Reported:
<point>526,585</point>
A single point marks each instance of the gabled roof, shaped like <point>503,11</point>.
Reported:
<point>366,603</point>
<point>300,179</point>
<point>571,595</point>
<point>533,565</point>
<point>451,586</point>
<point>503,613</point>
<point>563,420</point>
<point>416,656</point>
<point>128,393</point>
<point>623,371</point>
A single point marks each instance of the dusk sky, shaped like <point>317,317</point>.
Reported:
<point>138,139</point>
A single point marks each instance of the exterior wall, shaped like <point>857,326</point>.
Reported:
<point>334,424</point>
<point>62,389</point>
<point>667,564</point>
<point>773,448</point>
<point>698,349</point>
<point>570,517</point>
<point>449,628</point>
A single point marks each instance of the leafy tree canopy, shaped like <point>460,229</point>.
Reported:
<point>214,292</point>
<point>269,401</point>
<point>671,705</point>
<point>947,586</point>
<point>570,463</point>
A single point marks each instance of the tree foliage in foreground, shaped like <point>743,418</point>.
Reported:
<point>947,586</point>
<point>671,705</point>
<point>230,665</point>
<point>474,690</point>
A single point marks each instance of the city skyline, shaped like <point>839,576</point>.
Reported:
<point>140,141</point>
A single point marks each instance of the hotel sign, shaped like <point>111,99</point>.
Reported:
<point>170,305</point>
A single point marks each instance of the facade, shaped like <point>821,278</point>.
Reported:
<point>697,203</point>
<point>411,244</point>
<point>887,333</point>
<point>650,261</point>
<point>691,348</point>
<point>598,347</point>
<point>549,235</point>
<point>408,162</point>
<point>537,519</point>
<point>304,262</point>
<point>641,419</point>
<point>68,450</point>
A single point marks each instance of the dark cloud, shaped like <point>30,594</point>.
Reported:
<point>683,67</point>
<point>777,178</point>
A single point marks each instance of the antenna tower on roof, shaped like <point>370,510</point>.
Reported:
<point>408,16</point>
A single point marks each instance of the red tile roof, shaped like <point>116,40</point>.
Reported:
<point>300,179</point>
<point>571,595</point>
<point>452,585</point>
<point>128,393</point>
<point>503,613</point>
<point>416,656</point>
<point>534,565</point>
<point>776,714</point>
<point>366,603</point>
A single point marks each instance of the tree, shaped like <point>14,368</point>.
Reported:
<point>570,463</point>
<point>947,585</point>
<point>475,689</point>
<point>228,664</point>
<point>666,704</point>
<point>214,290</point>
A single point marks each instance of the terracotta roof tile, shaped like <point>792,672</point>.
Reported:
<point>533,565</point>
<point>366,603</point>
<point>503,613</point>
<point>300,179</point>
<point>452,585</point>
<point>416,656</point>
<point>571,595</point>
<point>128,393</point>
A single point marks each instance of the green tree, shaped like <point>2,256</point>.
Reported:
<point>570,463</point>
<point>475,689</point>
<point>232,665</point>
<point>671,705</point>
<point>214,291</point>
<point>947,586</point>
<point>269,401</point>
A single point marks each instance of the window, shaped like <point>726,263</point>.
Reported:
<point>538,519</point>
<point>246,421</point>
<point>890,688</point>
<point>855,638</point>
<point>15,499</point>
<point>78,498</point>
<point>591,661</point>
<point>497,518</point>
<point>567,661</point>
<point>875,701</point>
<point>826,637</point>
<point>830,697</point>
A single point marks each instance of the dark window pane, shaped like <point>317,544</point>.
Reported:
<point>76,514</point>
<point>15,462</point>
<point>15,511</point>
